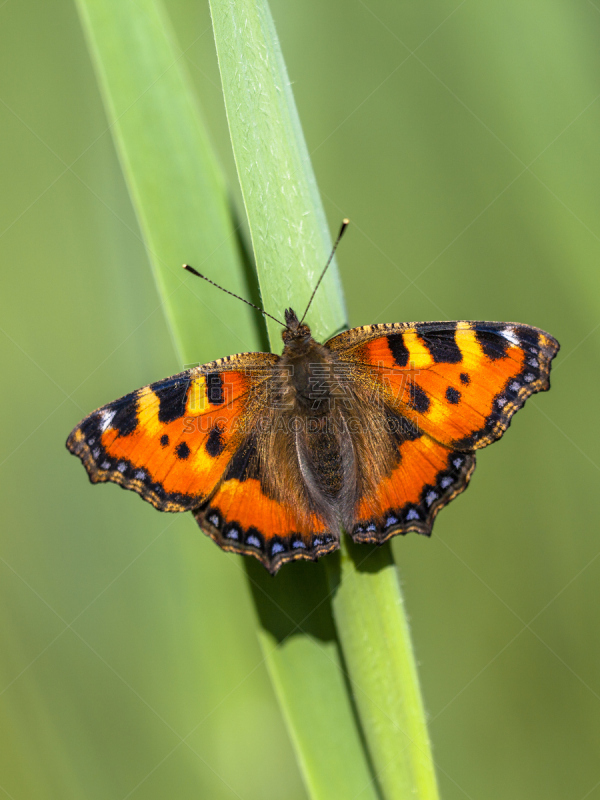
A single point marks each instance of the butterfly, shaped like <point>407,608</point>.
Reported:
<point>372,432</point>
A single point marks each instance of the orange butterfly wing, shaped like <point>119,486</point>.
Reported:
<point>243,517</point>
<point>171,441</point>
<point>426,477</point>
<point>461,381</point>
<point>453,388</point>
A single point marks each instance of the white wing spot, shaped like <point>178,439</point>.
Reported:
<point>253,540</point>
<point>232,533</point>
<point>214,520</point>
<point>509,333</point>
<point>457,463</point>
<point>391,520</point>
<point>446,482</point>
<point>317,541</point>
<point>371,527</point>
<point>121,466</point>
<point>412,514</point>
<point>96,452</point>
<point>533,362</point>
<point>140,475</point>
<point>502,401</point>
<point>277,548</point>
<point>431,497</point>
<point>298,544</point>
<point>91,442</point>
<point>105,419</point>
<point>529,377</point>
<point>105,465</point>
<point>515,386</point>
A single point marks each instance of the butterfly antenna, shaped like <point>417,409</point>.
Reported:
<point>345,224</point>
<point>248,303</point>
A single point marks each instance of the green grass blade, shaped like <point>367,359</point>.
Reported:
<point>291,244</point>
<point>279,191</point>
<point>374,633</point>
<point>177,189</point>
<point>302,651</point>
<point>287,223</point>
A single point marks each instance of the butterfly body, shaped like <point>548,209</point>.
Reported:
<point>372,432</point>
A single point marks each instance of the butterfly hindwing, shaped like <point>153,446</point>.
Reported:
<point>460,381</point>
<point>426,476</point>
<point>171,441</point>
<point>245,516</point>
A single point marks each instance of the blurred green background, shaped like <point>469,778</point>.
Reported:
<point>462,141</point>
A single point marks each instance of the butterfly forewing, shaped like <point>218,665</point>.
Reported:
<point>172,440</point>
<point>461,382</point>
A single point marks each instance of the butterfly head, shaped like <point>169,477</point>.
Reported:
<point>295,331</point>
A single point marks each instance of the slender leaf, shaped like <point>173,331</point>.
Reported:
<point>287,223</point>
<point>178,192</point>
<point>373,629</point>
